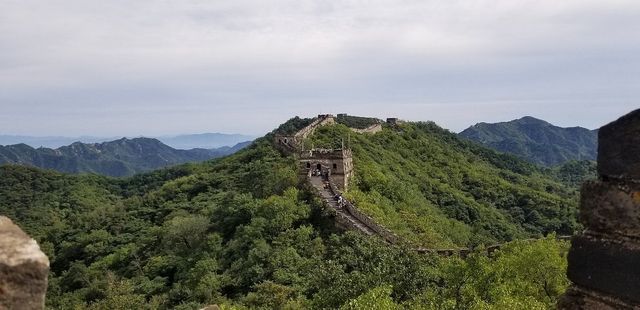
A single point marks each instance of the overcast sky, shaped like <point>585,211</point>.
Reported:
<point>122,67</point>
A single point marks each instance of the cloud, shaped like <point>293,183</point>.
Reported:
<point>67,65</point>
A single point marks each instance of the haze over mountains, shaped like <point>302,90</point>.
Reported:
<point>185,142</point>
<point>536,140</point>
<point>123,157</point>
<point>529,138</point>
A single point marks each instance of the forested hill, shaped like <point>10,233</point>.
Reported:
<point>536,140</point>
<point>243,231</point>
<point>118,158</point>
<point>436,189</point>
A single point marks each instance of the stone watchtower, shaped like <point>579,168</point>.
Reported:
<point>337,163</point>
<point>604,262</point>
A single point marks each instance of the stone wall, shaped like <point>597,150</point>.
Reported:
<point>294,142</point>
<point>23,269</point>
<point>604,262</point>
<point>386,234</point>
<point>383,232</point>
<point>321,120</point>
<point>371,129</point>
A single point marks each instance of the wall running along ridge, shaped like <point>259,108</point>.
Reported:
<point>348,216</point>
<point>603,262</point>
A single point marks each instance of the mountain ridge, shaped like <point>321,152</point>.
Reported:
<point>117,158</point>
<point>207,140</point>
<point>536,140</point>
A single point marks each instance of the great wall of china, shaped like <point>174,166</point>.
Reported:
<point>602,261</point>
<point>336,167</point>
<point>328,171</point>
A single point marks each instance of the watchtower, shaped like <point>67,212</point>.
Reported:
<point>335,163</point>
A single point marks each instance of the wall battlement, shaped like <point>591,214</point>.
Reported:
<point>604,260</point>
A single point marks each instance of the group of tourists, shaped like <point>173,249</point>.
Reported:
<point>319,173</point>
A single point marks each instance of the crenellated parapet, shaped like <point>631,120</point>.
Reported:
<point>604,262</point>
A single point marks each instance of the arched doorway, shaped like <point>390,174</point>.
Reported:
<point>319,166</point>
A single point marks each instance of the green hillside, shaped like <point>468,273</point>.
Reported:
<point>243,232</point>
<point>435,189</point>
<point>536,140</point>
<point>573,173</point>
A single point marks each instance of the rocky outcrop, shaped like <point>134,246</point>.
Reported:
<point>604,260</point>
<point>23,269</point>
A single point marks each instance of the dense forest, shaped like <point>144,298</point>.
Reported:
<point>243,232</point>
<point>437,190</point>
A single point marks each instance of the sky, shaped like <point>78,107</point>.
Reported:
<point>121,67</point>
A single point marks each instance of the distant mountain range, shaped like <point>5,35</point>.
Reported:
<point>184,142</point>
<point>204,140</point>
<point>123,157</point>
<point>536,140</point>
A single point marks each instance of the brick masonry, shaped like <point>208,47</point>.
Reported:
<point>604,262</point>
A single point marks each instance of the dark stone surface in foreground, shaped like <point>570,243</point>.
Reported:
<point>606,266</point>
<point>619,147</point>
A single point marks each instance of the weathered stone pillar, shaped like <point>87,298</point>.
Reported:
<point>23,269</point>
<point>604,262</point>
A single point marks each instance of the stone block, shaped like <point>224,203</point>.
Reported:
<point>23,269</point>
<point>606,266</point>
<point>579,299</point>
<point>611,207</point>
<point>619,147</point>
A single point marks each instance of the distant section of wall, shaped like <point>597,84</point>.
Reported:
<point>294,142</point>
<point>371,129</point>
<point>604,261</point>
<point>322,120</point>
<point>23,269</point>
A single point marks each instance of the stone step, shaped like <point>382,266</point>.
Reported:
<point>327,196</point>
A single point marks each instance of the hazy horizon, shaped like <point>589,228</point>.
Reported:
<point>254,135</point>
<point>79,67</point>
